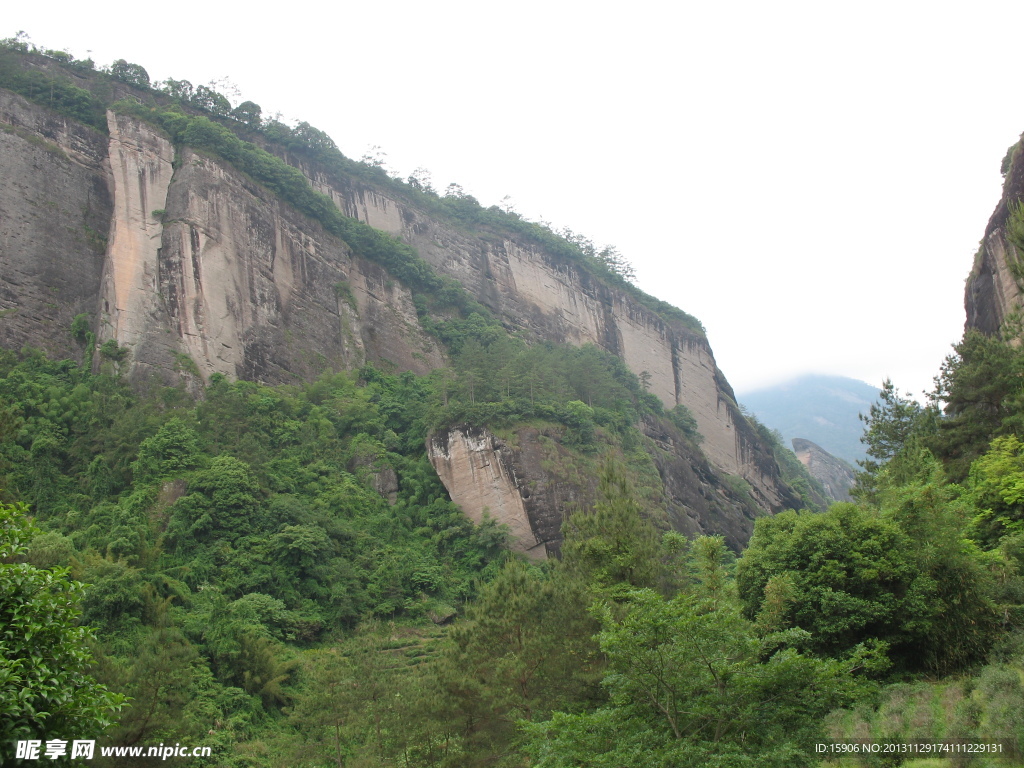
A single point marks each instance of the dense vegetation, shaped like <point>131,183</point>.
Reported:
<point>253,589</point>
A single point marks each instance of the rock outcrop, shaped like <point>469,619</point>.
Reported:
<point>531,483</point>
<point>241,284</point>
<point>994,286</point>
<point>194,269</point>
<point>835,475</point>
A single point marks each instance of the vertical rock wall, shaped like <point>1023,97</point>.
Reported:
<point>479,472</point>
<point>234,280</point>
<point>992,292</point>
<point>55,209</point>
<point>140,171</point>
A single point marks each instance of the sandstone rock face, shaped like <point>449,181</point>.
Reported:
<point>234,280</point>
<point>992,292</point>
<point>55,208</point>
<point>532,483</point>
<point>478,471</point>
<point>835,475</point>
<point>195,262</point>
<point>140,171</point>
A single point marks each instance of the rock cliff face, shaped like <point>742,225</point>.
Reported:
<point>204,263</point>
<point>531,483</point>
<point>993,288</point>
<point>195,269</point>
<point>199,262</point>
<point>835,475</point>
<point>55,210</point>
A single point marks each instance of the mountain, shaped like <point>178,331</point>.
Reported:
<point>822,409</point>
<point>179,240</point>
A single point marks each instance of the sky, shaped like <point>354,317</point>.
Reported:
<point>809,179</point>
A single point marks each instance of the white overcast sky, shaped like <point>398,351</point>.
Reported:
<point>810,179</point>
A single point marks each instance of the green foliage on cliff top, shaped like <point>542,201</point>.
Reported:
<point>50,86</point>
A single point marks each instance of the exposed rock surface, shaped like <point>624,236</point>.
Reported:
<point>531,483</point>
<point>197,270</point>
<point>240,283</point>
<point>534,292</point>
<point>479,472</point>
<point>834,474</point>
<point>993,292</point>
<point>55,209</point>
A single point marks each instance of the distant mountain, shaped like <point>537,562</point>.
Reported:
<point>822,409</point>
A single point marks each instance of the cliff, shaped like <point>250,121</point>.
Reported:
<point>994,286</point>
<point>536,293</point>
<point>193,268</point>
<point>205,263</point>
<point>56,207</point>
<point>835,475</point>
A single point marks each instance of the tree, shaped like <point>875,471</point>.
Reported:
<point>618,264</point>
<point>248,112</point>
<point>612,547</point>
<point>888,428</point>
<point>212,101</point>
<point>181,90</point>
<point>997,485</point>
<point>159,682</point>
<point>326,710</point>
<point>525,649</point>
<point>174,449</point>
<point>45,688</point>
<point>313,139</point>
<point>689,686</point>
<point>980,386</point>
<point>223,504</point>
<point>957,577</point>
<point>133,74</point>
<point>854,579</point>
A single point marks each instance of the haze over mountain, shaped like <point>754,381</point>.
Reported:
<point>815,407</point>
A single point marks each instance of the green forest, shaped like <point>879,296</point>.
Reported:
<point>277,573</point>
<point>249,589</point>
